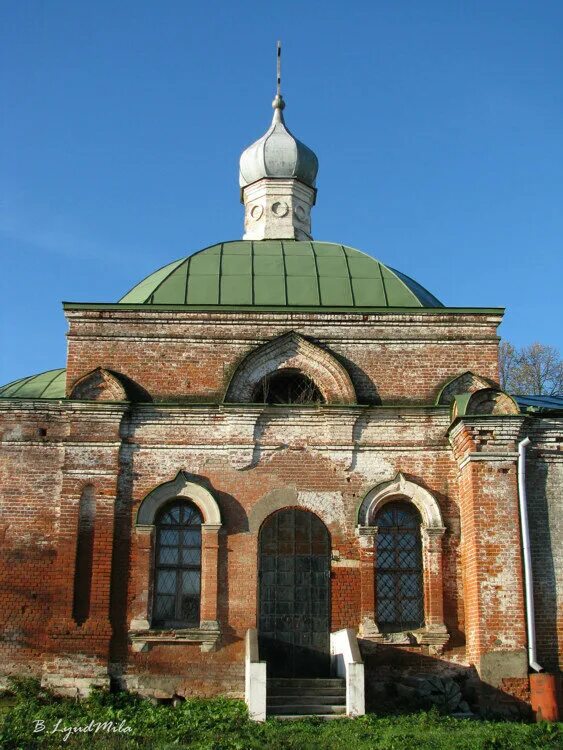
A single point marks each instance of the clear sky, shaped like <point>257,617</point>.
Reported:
<point>438,126</point>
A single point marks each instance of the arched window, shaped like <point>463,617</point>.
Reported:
<point>287,386</point>
<point>400,598</point>
<point>178,566</point>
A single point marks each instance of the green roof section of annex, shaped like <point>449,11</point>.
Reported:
<point>49,384</point>
<point>277,274</point>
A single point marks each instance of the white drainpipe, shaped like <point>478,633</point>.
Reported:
<point>530,614</point>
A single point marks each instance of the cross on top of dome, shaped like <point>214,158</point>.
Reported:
<point>277,179</point>
<point>278,154</point>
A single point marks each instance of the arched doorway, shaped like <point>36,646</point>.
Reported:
<point>294,594</point>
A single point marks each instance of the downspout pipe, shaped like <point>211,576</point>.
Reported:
<point>528,583</point>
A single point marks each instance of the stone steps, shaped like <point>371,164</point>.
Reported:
<point>297,697</point>
<point>306,682</point>
<point>310,710</point>
<point>295,717</point>
<point>305,700</point>
<point>291,691</point>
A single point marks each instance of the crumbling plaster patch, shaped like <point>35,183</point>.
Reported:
<point>329,506</point>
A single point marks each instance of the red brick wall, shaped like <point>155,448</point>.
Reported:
<point>317,463</point>
<point>30,481</point>
<point>326,459</point>
<point>545,510</point>
<point>490,532</point>
<point>192,356</point>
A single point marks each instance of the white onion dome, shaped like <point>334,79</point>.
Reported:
<point>278,154</point>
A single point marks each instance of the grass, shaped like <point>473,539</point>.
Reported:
<point>222,724</point>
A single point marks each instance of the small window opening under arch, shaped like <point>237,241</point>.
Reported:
<point>287,386</point>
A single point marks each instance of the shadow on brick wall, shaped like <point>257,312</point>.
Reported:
<point>542,534</point>
<point>121,556</point>
<point>366,389</point>
<point>397,682</point>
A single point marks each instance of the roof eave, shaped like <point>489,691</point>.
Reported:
<point>154,307</point>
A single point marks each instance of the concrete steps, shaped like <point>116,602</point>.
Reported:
<point>297,697</point>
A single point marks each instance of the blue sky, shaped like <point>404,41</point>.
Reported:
<point>438,127</point>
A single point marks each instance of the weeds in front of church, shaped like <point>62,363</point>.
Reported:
<point>123,721</point>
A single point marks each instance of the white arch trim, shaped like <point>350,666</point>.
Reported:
<point>398,487</point>
<point>294,351</point>
<point>180,486</point>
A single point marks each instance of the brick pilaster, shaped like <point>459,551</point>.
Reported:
<point>367,538</point>
<point>210,577</point>
<point>485,449</point>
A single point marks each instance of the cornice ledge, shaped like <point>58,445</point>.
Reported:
<point>207,635</point>
<point>484,456</point>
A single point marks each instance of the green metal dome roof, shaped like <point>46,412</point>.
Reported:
<point>279,273</point>
<point>50,384</point>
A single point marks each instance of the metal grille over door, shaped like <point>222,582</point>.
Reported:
<point>294,594</point>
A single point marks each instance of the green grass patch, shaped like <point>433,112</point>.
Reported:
<point>222,724</point>
<point>7,702</point>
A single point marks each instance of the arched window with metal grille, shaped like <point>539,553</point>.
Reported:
<point>177,585</point>
<point>399,581</point>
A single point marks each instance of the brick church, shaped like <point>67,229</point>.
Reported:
<point>279,460</point>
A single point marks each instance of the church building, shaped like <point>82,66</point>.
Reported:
<point>279,469</point>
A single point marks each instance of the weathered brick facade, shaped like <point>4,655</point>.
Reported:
<point>390,358</point>
<point>75,473</point>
